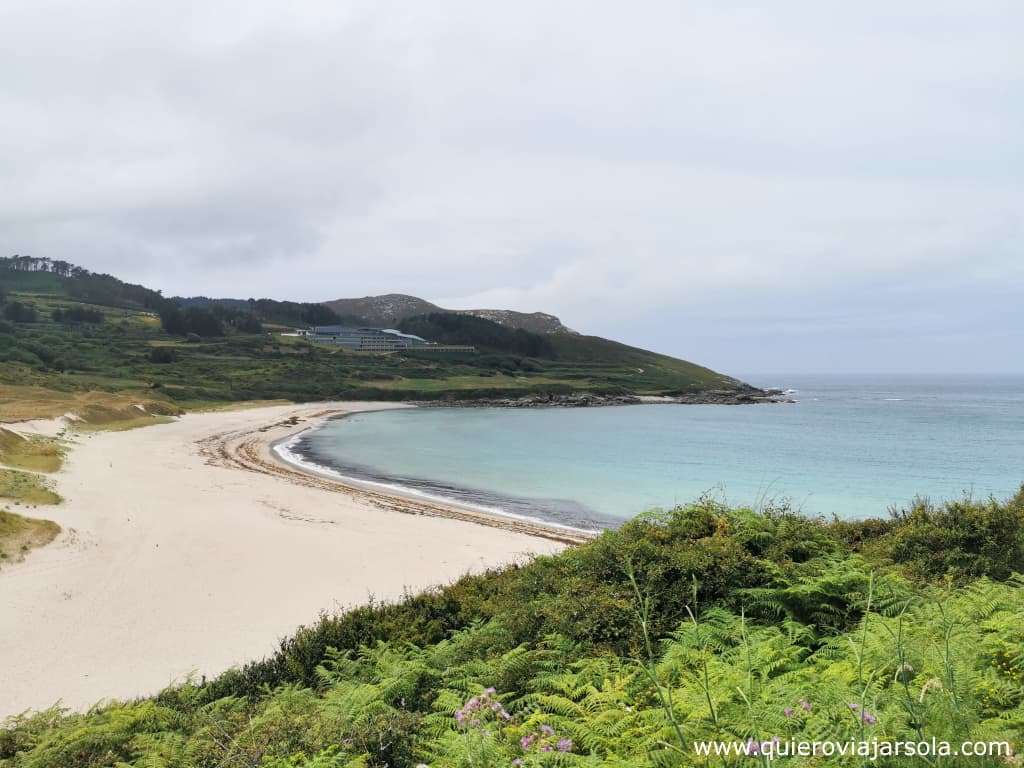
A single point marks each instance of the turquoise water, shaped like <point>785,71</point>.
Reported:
<point>851,447</point>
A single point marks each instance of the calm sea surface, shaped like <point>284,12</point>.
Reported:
<point>852,446</point>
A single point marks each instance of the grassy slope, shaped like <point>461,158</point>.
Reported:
<point>26,488</point>
<point>763,625</point>
<point>19,534</point>
<point>37,454</point>
<point>639,369</point>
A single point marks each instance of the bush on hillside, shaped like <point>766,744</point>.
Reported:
<point>777,564</point>
<point>197,321</point>
<point>242,313</point>
<point>17,312</point>
<point>76,315</point>
<point>454,328</point>
<point>585,593</point>
<point>960,540</point>
<point>514,667</point>
<point>163,355</point>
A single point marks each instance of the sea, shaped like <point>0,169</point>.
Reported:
<point>849,446</point>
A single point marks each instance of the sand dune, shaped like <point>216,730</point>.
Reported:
<point>187,549</point>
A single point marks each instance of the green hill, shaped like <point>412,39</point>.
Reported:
<point>567,355</point>
<point>66,332</point>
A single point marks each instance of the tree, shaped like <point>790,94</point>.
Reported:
<point>203,322</point>
<point>194,320</point>
<point>454,328</point>
<point>318,314</point>
<point>172,319</point>
<point>248,324</point>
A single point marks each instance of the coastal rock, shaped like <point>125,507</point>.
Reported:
<point>591,399</point>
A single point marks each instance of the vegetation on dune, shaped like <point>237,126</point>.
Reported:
<point>121,425</point>
<point>26,488</point>
<point>27,401</point>
<point>35,453</point>
<point>699,624</point>
<point>19,534</point>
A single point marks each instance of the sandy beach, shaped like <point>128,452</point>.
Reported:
<point>189,548</point>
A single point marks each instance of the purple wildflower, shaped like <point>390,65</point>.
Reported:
<point>854,706</point>
<point>527,741</point>
<point>867,718</point>
<point>546,748</point>
<point>788,711</point>
<point>517,762</point>
<point>805,705</point>
<point>564,745</point>
<point>753,748</point>
<point>547,730</point>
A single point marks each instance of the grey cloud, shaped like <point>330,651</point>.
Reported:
<point>699,167</point>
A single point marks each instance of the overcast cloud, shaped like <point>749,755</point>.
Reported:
<point>784,186</point>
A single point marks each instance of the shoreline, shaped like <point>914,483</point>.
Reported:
<point>280,450</point>
<point>187,549</point>
<point>254,450</point>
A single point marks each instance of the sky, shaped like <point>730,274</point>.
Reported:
<point>793,186</point>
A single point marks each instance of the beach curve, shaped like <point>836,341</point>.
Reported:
<point>188,548</point>
<point>257,449</point>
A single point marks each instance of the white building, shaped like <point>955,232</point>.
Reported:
<point>377,340</point>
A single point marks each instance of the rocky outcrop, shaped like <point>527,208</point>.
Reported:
<point>590,399</point>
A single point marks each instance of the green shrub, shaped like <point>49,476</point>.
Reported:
<point>949,671</point>
<point>584,594</point>
<point>19,312</point>
<point>960,540</point>
<point>761,625</point>
<point>163,355</point>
